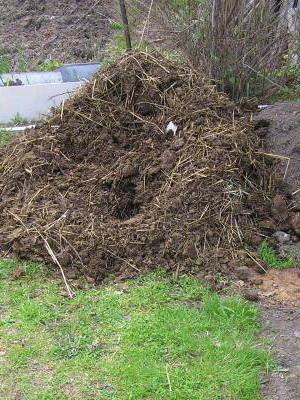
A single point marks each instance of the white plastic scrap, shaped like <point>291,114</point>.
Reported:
<point>171,127</point>
<point>262,106</point>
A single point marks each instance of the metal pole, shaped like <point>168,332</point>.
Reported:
<point>126,25</point>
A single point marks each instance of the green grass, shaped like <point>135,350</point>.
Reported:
<point>50,65</point>
<point>268,256</point>
<point>18,120</point>
<point>4,64</point>
<point>23,64</point>
<point>116,25</point>
<point>153,338</point>
<point>4,136</point>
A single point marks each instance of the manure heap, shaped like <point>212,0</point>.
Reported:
<point>104,188</point>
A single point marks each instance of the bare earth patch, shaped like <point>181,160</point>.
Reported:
<point>72,31</point>
<point>283,326</point>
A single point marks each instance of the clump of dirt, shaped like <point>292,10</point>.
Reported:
<point>36,30</point>
<point>279,286</point>
<point>103,187</point>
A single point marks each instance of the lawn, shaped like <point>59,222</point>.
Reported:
<point>151,338</point>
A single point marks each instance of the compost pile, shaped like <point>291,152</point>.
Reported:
<point>103,187</point>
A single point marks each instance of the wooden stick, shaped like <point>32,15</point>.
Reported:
<point>146,23</point>
<point>55,260</point>
<point>168,378</point>
<point>126,25</point>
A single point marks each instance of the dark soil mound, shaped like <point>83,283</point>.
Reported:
<point>281,124</point>
<point>69,31</point>
<point>103,186</point>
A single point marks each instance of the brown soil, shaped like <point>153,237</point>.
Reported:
<point>281,125</point>
<point>282,325</point>
<point>279,290</point>
<point>72,31</point>
<point>106,188</point>
<point>280,286</point>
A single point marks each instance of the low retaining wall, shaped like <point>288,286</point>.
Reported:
<point>31,102</point>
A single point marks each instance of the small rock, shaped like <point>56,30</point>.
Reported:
<point>251,295</point>
<point>295,223</point>
<point>244,273</point>
<point>256,281</point>
<point>71,274</point>
<point>282,237</point>
<point>168,159</point>
<point>209,278</point>
<point>279,208</point>
<point>89,279</point>
<point>297,334</point>
<point>178,144</point>
<point>129,170</point>
<point>267,224</point>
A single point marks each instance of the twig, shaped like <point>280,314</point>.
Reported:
<point>256,262</point>
<point>19,220</point>
<point>287,167</point>
<point>122,259</point>
<point>62,110</point>
<point>168,378</point>
<point>295,192</point>
<point>260,74</point>
<point>146,24</point>
<point>55,260</point>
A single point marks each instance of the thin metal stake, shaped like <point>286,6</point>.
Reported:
<point>126,25</point>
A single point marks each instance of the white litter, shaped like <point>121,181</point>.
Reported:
<point>262,106</point>
<point>171,127</point>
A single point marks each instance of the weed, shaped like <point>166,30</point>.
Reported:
<point>268,256</point>
<point>18,120</point>
<point>116,25</point>
<point>4,64</point>
<point>115,48</point>
<point>23,65</point>
<point>151,338</point>
<point>50,65</point>
<point>4,136</point>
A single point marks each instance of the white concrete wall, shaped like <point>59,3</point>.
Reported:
<point>32,101</point>
<point>32,78</point>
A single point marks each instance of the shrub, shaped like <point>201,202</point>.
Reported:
<point>238,43</point>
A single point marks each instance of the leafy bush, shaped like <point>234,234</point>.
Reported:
<point>50,65</point>
<point>237,43</point>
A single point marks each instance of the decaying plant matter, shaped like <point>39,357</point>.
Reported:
<point>105,188</point>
